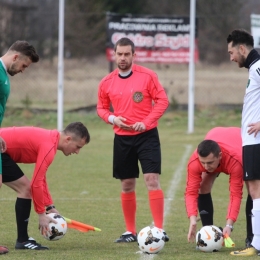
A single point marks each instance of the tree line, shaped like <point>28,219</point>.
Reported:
<point>85,23</point>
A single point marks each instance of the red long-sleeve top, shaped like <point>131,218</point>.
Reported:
<point>33,145</point>
<point>138,98</point>
<point>230,142</point>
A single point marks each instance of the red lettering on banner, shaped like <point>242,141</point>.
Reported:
<point>167,56</point>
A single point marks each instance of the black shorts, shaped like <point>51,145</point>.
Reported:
<point>11,171</point>
<point>251,162</point>
<point>128,150</point>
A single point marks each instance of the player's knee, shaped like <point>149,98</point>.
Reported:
<point>152,181</point>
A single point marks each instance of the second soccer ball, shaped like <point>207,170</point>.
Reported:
<point>151,240</point>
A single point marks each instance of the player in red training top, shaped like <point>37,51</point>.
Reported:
<point>39,146</point>
<point>221,151</point>
<point>138,101</point>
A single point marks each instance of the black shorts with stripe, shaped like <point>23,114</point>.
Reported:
<point>10,170</point>
<point>251,162</point>
<point>129,150</point>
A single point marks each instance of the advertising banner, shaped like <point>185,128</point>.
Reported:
<point>160,39</point>
<point>255,29</point>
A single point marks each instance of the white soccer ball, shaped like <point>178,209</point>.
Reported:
<point>209,239</point>
<point>57,231</point>
<point>151,240</point>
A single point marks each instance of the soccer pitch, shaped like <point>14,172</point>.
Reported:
<point>83,189</point>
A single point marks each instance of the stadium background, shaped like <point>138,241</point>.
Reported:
<point>218,82</point>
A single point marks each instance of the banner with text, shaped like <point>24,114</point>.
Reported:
<point>157,39</point>
<point>255,29</point>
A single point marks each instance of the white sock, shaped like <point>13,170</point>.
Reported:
<point>256,223</point>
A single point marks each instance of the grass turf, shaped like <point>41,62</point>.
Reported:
<point>83,189</point>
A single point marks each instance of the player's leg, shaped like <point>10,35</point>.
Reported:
<point>14,178</point>
<point>149,155</point>
<point>251,166</point>
<point>205,203</point>
<point>125,168</point>
<point>254,191</point>
<point>156,198</point>
<point>22,206</point>
<point>249,232</point>
<point>3,249</point>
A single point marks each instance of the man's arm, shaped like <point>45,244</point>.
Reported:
<point>236,191</point>
<point>160,99</point>
<point>103,104</point>
<point>40,191</point>
<point>191,197</point>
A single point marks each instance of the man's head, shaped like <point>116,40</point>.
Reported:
<point>124,53</point>
<point>209,155</point>
<point>73,138</point>
<point>240,43</point>
<point>19,57</point>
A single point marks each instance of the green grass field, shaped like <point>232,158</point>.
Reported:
<point>83,189</point>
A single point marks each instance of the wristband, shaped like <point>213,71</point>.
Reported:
<point>230,226</point>
<point>50,207</point>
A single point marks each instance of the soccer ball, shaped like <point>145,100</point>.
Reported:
<point>57,231</point>
<point>209,239</point>
<point>151,240</point>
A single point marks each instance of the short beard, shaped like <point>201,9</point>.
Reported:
<point>126,67</point>
<point>241,62</point>
<point>11,71</point>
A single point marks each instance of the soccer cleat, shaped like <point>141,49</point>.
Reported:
<point>248,241</point>
<point>30,244</point>
<point>249,251</point>
<point>166,238</point>
<point>3,250</point>
<point>126,238</point>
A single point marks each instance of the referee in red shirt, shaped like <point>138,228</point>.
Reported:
<point>219,152</point>
<point>138,101</point>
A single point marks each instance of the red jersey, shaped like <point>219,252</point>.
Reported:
<point>138,98</point>
<point>33,145</point>
<point>230,142</point>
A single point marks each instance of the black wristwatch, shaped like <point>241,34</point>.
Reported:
<point>50,207</point>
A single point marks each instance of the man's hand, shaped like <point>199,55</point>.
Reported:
<point>44,221</point>
<point>119,121</point>
<point>254,128</point>
<point>192,229</point>
<point>3,146</point>
<point>139,126</point>
<point>227,230</point>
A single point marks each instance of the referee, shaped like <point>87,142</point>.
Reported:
<point>138,102</point>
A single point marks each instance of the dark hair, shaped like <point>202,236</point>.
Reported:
<point>26,49</point>
<point>240,36</point>
<point>125,42</point>
<point>78,129</point>
<point>208,146</point>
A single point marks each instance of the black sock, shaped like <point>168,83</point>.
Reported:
<point>22,210</point>
<point>249,207</point>
<point>205,205</point>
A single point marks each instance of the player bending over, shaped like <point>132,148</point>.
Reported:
<point>39,146</point>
